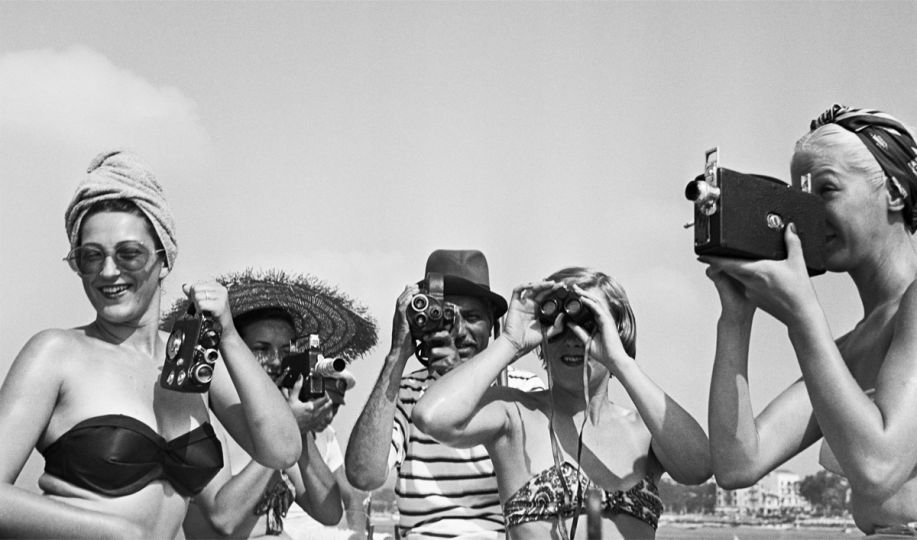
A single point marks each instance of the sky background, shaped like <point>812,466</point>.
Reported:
<point>349,140</point>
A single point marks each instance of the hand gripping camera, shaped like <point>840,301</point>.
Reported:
<point>313,366</point>
<point>568,302</point>
<point>743,215</point>
<point>428,312</point>
<point>191,352</point>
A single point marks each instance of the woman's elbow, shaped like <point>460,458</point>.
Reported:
<point>282,454</point>
<point>428,421</point>
<point>732,477</point>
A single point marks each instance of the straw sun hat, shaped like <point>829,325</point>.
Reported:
<point>344,327</point>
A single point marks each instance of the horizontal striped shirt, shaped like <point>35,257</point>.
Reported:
<point>444,492</point>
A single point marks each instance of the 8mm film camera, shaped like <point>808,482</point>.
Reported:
<point>743,215</point>
<point>307,360</point>
<point>191,352</point>
<point>428,312</point>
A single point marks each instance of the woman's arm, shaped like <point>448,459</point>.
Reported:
<point>228,502</point>
<point>678,441</point>
<point>27,400</point>
<point>873,441</point>
<point>480,416</point>
<point>317,491</point>
<point>744,447</point>
<point>243,397</point>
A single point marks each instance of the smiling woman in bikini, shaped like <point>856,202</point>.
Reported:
<point>550,447</point>
<point>123,455</point>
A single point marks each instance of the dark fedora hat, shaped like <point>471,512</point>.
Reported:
<point>465,273</point>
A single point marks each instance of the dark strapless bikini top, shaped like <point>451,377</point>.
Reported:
<point>546,496</point>
<point>118,455</point>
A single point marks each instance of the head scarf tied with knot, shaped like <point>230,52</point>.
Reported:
<point>122,175</point>
<point>888,141</point>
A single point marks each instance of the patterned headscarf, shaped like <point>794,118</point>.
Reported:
<point>122,175</point>
<point>888,141</point>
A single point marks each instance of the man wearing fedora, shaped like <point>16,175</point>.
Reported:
<point>441,492</point>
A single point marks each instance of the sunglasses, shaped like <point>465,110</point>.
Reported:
<point>90,258</point>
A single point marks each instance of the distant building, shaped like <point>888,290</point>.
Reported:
<point>775,494</point>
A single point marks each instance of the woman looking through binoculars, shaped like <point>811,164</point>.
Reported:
<point>122,454</point>
<point>550,447</point>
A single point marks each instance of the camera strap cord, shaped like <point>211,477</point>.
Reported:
<point>558,454</point>
<point>275,501</point>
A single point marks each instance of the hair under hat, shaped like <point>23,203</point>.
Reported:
<point>118,174</point>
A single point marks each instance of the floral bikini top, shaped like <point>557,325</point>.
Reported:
<point>546,496</point>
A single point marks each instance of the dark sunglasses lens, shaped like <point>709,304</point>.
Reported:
<point>131,256</point>
<point>87,260</point>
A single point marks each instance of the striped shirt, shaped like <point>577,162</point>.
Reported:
<point>444,492</point>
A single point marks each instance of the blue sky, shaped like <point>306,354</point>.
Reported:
<point>350,139</point>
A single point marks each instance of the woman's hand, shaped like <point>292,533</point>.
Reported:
<point>781,288</point>
<point>311,415</point>
<point>605,345</point>
<point>734,301</point>
<point>521,326</point>
<point>213,298</point>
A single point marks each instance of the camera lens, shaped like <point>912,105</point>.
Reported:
<point>435,313</point>
<point>420,320</point>
<point>209,338</point>
<point>202,374</point>
<point>419,302</point>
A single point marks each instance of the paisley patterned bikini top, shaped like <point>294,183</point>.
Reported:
<point>546,496</point>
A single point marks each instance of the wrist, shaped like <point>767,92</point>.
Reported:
<point>508,348</point>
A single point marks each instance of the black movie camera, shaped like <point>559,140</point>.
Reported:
<point>428,312</point>
<point>566,301</point>
<point>306,359</point>
<point>191,352</point>
<point>743,215</point>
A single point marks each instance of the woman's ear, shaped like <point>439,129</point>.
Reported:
<point>897,194</point>
<point>163,271</point>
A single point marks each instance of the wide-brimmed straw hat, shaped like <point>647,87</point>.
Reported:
<point>344,327</point>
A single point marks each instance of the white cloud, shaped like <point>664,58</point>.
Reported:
<point>78,100</point>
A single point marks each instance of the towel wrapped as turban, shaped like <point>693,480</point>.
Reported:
<point>121,175</point>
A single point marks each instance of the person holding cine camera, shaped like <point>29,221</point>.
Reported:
<point>123,455</point>
<point>271,309</point>
<point>552,448</point>
<point>441,492</point>
<point>857,391</point>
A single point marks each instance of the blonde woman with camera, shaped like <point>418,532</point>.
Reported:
<point>551,448</point>
<point>122,454</point>
<point>857,391</point>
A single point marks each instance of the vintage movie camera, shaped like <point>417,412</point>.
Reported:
<point>306,359</point>
<point>191,352</point>
<point>428,312</point>
<point>566,301</point>
<point>743,215</point>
